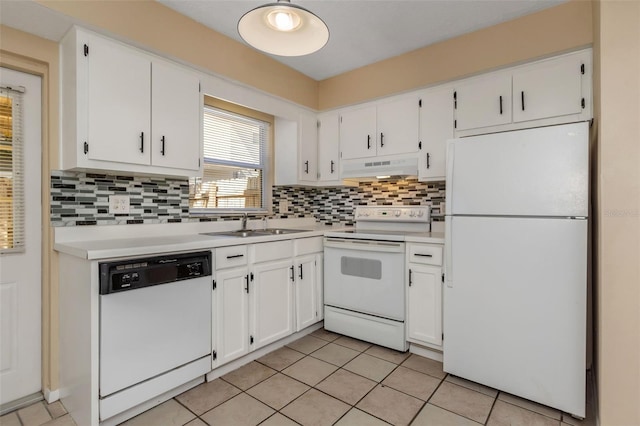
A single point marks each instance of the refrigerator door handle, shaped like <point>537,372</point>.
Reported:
<point>448,258</point>
<point>449,172</point>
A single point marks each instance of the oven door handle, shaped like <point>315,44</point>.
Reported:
<point>364,245</point>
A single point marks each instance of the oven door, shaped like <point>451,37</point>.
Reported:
<point>365,276</point>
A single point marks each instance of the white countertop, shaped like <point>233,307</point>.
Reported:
<point>101,245</point>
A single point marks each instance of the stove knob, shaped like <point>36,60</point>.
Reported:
<point>397,213</point>
<point>420,213</point>
<point>412,213</point>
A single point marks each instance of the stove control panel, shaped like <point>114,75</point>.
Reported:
<point>392,213</point>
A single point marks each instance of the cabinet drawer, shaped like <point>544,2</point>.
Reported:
<point>227,257</point>
<point>265,252</point>
<point>307,245</point>
<point>426,254</point>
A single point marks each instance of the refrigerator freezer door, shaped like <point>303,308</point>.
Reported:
<point>515,312</point>
<point>535,172</point>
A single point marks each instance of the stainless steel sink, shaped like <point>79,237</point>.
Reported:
<point>253,232</point>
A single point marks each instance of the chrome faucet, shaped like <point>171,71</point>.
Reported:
<point>244,221</point>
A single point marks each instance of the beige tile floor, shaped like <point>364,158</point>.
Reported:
<point>327,379</point>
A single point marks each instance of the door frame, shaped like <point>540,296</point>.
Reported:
<point>45,67</point>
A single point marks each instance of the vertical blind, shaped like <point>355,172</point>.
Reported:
<point>234,163</point>
<point>11,171</point>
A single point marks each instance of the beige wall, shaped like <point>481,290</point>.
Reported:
<point>553,30</point>
<point>34,55</point>
<point>617,211</point>
<point>156,27</point>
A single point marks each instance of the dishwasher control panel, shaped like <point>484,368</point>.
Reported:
<point>123,275</point>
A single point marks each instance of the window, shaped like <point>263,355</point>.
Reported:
<point>236,172</point>
<point>11,176</point>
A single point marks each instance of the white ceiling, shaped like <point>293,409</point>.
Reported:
<point>361,31</point>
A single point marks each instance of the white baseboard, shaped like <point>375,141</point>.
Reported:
<point>51,395</point>
<point>426,352</point>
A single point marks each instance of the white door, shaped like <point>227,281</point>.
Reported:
<point>271,302</point>
<point>483,101</point>
<point>176,116</point>
<point>328,147</point>
<point>365,277</point>
<point>436,128</point>
<point>231,314</point>
<point>358,133</point>
<point>308,145</point>
<point>515,306</point>
<point>306,304</point>
<point>535,172</point>
<point>20,273</point>
<point>424,307</point>
<point>398,125</point>
<point>549,89</point>
<point>119,103</point>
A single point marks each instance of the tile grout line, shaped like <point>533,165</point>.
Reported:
<point>495,400</point>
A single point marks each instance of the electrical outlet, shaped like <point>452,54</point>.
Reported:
<point>283,207</point>
<point>118,204</point>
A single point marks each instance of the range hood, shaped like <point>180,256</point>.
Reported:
<point>379,166</point>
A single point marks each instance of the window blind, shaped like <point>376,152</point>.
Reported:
<point>11,170</point>
<point>234,163</point>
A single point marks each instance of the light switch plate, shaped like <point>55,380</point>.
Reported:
<point>118,204</point>
<point>283,207</point>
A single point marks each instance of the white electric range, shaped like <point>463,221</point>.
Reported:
<point>364,274</point>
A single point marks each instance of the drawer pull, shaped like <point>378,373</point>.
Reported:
<point>235,256</point>
<point>423,255</point>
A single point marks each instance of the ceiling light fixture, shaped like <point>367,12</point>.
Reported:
<point>283,29</point>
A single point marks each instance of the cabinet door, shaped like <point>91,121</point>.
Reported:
<point>176,117</point>
<point>320,285</point>
<point>231,315</point>
<point>358,133</point>
<point>271,293</point>
<point>424,319</point>
<point>398,125</point>
<point>436,127</point>
<point>308,148</point>
<point>119,109</point>
<point>306,303</point>
<point>328,147</point>
<point>548,89</point>
<point>483,101</point>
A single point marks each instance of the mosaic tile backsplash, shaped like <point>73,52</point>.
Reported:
<point>83,199</point>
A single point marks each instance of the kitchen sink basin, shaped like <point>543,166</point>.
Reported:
<point>253,232</point>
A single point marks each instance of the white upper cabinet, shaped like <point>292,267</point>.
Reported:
<point>385,128</point>
<point>436,127</point>
<point>308,147</point>
<point>176,110</point>
<point>328,147</point>
<point>548,89</point>
<point>398,126</point>
<point>483,101</point>
<point>358,133</point>
<point>547,92</point>
<point>119,83</point>
<point>125,110</point>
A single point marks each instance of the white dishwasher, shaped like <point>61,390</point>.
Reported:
<point>155,327</point>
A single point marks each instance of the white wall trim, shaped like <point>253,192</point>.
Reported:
<point>51,395</point>
<point>426,352</point>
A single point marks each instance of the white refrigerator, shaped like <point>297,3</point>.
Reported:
<point>515,296</point>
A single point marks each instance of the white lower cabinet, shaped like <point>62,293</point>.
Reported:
<point>271,302</point>
<point>263,293</point>
<point>230,315</point>
<point>424,295</point>
<point>306,297</point>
